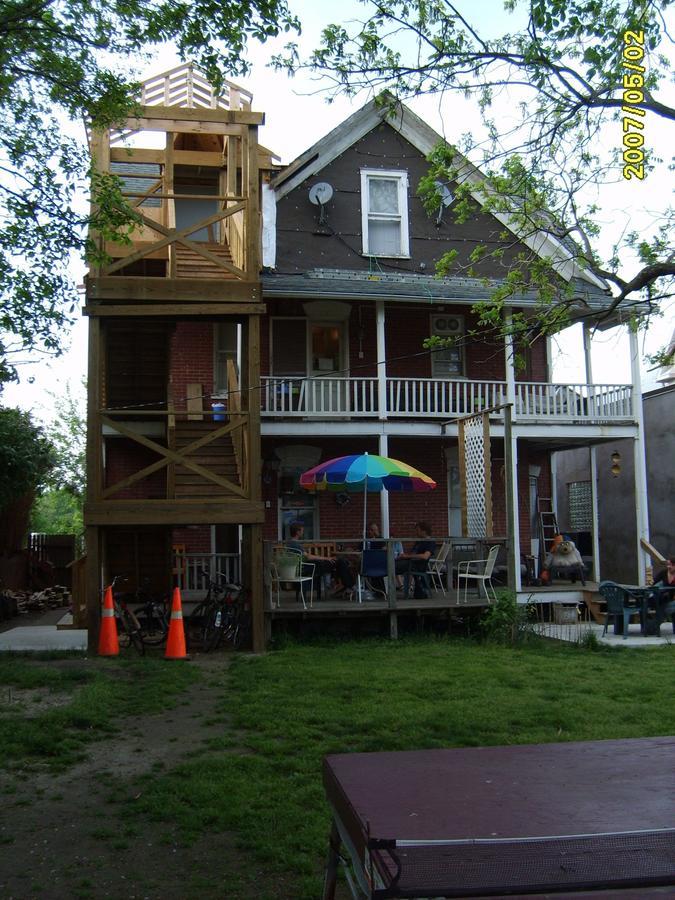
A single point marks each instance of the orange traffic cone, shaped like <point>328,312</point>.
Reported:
<point>108,645</point>
<point>175,643</point>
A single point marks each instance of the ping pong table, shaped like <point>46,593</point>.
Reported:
<point>586,819</point>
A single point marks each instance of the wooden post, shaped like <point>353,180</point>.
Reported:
<point>487,475</point>
<point>93,586</point>
<point>170,203</point>
<point>252,192</point>
<point>461,458</point>
<point>255,567</point>
<point>512,524</point>
<point>391,592</point>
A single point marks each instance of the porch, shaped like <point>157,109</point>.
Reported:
<point>430,398</point>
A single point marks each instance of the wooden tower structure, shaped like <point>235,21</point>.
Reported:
<point>160,459</point>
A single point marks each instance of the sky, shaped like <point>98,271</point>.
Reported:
<point>297,115</point>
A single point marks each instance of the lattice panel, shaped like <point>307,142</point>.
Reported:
<point>477,494</point>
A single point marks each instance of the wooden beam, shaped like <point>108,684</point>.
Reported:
<point>224,308</point>
<point>170,235</point>
<point>182,126</point>
<point>200,290</point>
<point>170,455</point>
<point>253,457</point>
<point>252,189</point>
<point>93,586</point>
<point>205,511</point>
<point>253,548</point>
<point>201,114</point>
<point>95,366</point>
<point>207,158</point>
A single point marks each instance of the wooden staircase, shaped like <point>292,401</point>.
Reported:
<point>191,264</point>
<point>217,456</point>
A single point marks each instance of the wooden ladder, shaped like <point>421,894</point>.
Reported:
<point>548,526</point>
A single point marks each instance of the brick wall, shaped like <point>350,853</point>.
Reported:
<point>406,508</point>
<point>197,538</point>
<point>191,360</point>
<point>124,458</point>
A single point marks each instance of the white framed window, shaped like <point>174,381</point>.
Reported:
<point>384,212</point>
<point>448,363</point>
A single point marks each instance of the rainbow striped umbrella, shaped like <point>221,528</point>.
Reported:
<point>367,472</point>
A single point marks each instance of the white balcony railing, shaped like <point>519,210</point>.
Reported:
<point>192,571</point>
<point>319,396</point>
<point>431,398</point>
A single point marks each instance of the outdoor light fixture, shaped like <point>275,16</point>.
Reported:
<point>616,464</point>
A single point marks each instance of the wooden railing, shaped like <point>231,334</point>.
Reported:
<point>240,434</point>
<point>430,398</point>
<point>129,423</point>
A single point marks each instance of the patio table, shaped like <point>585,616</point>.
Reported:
<point>653,597</point>
<point>494,821</point>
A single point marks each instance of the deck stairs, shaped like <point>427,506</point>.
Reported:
<point>217,456</point>
<point>191,264</point>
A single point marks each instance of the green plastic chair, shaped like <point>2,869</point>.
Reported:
<point>620,604</point>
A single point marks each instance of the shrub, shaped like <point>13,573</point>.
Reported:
<point>506,621</point>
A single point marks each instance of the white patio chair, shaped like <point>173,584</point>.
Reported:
<point>481,574</point>
<point>295,572</point>
<point>438,567</point>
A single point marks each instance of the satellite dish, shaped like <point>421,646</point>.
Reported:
<point>320,194</point>
<point>446,199</point>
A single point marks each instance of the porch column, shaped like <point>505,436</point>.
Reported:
<point>595,528</point>
<point>641,503</point>
<point>511,461</point>
<point>381,364</point>
<point>383,450</point>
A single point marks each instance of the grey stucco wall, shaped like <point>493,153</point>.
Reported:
<point>616,494</point>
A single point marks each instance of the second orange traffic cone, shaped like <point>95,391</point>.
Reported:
<point>108,644</point>
<point>175,643</point>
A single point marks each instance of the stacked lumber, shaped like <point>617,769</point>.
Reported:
<point>14,603</point>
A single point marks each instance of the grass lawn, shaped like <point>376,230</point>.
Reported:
<point>261,780</point>
<point>52,707</point>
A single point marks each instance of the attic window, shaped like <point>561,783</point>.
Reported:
<point>384,212</point>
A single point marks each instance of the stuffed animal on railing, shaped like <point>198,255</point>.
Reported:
<point>564,561</point>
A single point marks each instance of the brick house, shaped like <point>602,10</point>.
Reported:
<point>321,355</point>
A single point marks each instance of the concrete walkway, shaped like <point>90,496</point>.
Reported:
<point>575,634</point>
<point>42,637</point>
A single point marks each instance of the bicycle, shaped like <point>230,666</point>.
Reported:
<point>220,615</point>
<point>129,632</point>
<point>152,615</point>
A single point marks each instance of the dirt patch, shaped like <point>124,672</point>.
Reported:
<point>63,836</point>
<point>31,702</point>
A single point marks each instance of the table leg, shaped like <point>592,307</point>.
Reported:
<point>332,863</point>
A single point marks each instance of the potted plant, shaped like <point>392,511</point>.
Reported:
<point>287,564</point>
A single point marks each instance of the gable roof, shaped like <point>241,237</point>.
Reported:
<point>424,139</point>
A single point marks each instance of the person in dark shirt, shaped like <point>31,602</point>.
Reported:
<point>666,577</point>
<point>417,559</point>
<point>374,541</point>
<point>338,568</point>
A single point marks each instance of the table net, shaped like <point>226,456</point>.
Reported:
<point>526,866</point>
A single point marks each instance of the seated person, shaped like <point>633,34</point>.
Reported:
<point>338,568</point>
<point>666,577</point>
<point>417,559</point>
<point>374,541</point>
<point>665,599</point>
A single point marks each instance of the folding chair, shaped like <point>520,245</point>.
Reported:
<point>298,573</point>
<point>482,574</point>
<point>438,567</point>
